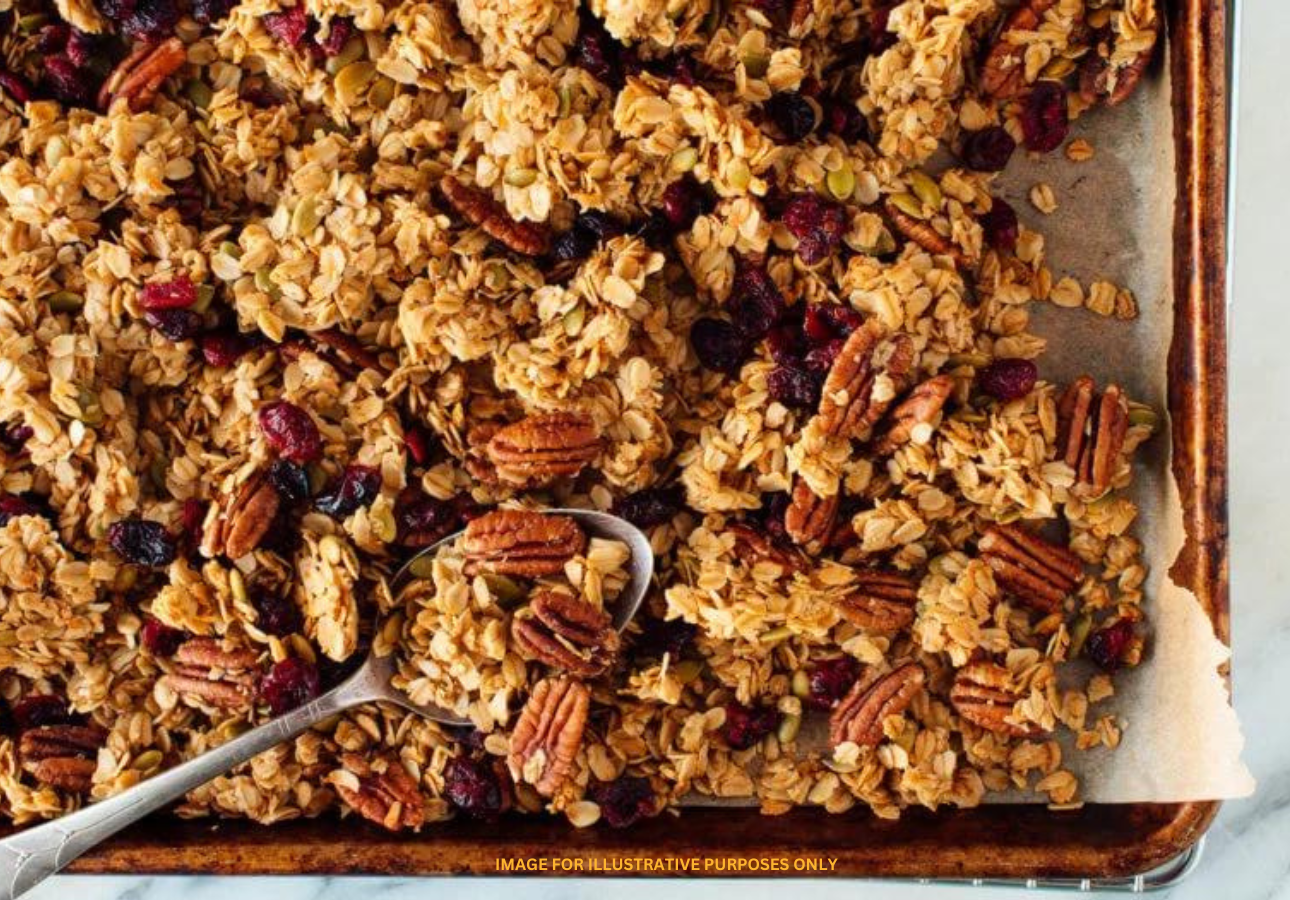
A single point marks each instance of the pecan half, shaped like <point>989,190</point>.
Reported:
<point>847,404</point>
<point>62,756</point>
<point>753,546</point>
<point>138,77</point>
<point>565,631</point>
<point>809,519</point>
<point>380,790</point>
<point>1102,80</point>
<point>1039,573</point>
<point>859,716</point>
<point>548,734</point>
<point>1092,431</point>
<point>480,209</point>
<point>541,449</point>
<point>924,235</point>
<point>1003,74</point>
<point>521,542</point>
<point>206,672</point>
<point>920,407</point>
<point>243,520</point>
<point>984,694</point>
<point>882,601</point>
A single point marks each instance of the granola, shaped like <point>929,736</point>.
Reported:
<point>292,290</point>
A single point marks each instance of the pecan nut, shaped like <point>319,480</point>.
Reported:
<point>566,632</point>
<point>1092,432</point>
<point>209,673</point>
<point>479,208</point>
<point>882,602</point>
<point>541,449</point>
<point>871,701</point>
<point>243,520</point>
<point>1039,573</point>
<point>1003,74</point>
<point>138,77</point>
<point>926,236</point>
<point>548,734</point>
<point>920,408</point>
<point>1105,78</point>
<point>62,756</point>
<point>849,403</point>
<point>380,790</point>
<point>984,694</point>
<point>755,547</point>
<point>809,519</point>
<point>521,542</point>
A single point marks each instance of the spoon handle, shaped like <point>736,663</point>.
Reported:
<point>32,855</point>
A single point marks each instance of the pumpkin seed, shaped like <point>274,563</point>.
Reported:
<point>789,725</point>
<point>33,22</point>
<point>755,63</point>
<point>566,101</point>
<point>318,477</point>
<point>801,684</point>
<point>199,93</point>
<point>264,283</point>
<point>776,635</point>
<point>422,566</point>
<point>126,578</point>
<point>352,52</point>
<point>1080,629</point>
<point>353,80</point>
<point>65,302</point>
<point>1058,69</point>
<point>91,409</point>
<point>205,294</point>
<point>237,585</point>
<point>683,160</point>
<point>842,183</point>
<point>504,589</point>
<point>687,670</point>
<point>148,759</point>
<point>305,217</point>
<point>925,188</point>
<point>228,248</point>
<point>1144,415</point>
<point>739,175</point>
<point>383,523</point>
<point>520,178</point>
<point>908,204</point>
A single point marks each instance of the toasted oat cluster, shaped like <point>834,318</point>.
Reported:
<point>289,292</point>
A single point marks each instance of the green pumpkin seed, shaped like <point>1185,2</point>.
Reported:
<point>504,590</point>
<point>789,725</point>
<point>237,585</point>
<point>755,63</point>
<point>383,523</point>
<point>264,283</point>
<point>801,684</point>
<point>157,473</point>
<point>687,670</point>
<point>205,295</point>
<point>422,566</point>
<point>353,80</point>
<point>352,52</point>
<point>65,302</point>
<point>842,183</point>
<point>573,320</point>
<point>199,93</point>
<point>318,477</point>
<point>566,101</point>
<point>908,204</point>
<point>305,217</point>
<point>148,759</point>
<point>739,175</point>
<point>228,248</point>
<point>91,409</point>
<point>776,636</point>
<point>1144,415</point>
<point>925,188</point>
<point>520,178</point>
<point>683,160</point>
<point>1080,629</point>
<point>33,22</point>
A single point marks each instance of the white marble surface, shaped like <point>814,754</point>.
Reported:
<point>1248,852</point>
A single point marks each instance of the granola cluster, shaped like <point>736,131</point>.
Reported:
<point>289,292</point>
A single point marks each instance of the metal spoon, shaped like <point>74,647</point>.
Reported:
<point>32,855</point>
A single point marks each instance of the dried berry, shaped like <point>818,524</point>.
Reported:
<point>755,303</point>
<point>160,639</point>
<point>820,358</point>
<point>423,519</point>
<point>290,683</point>
<point>289,26</point>
<point>36,710</point>
<point>1043,116</point>
<point>15,86</point>
<point>223,348</point>
<point>144,20</point>
<point>746,725</point>
<point>277,614</point>
<point>719,345</point>
<point>988,150</point>
<point>1000,226</point>
<point>178,293</point>
<point>12,506</point>
<point>683,202</point>
<point>290,480</point>
<point>419,443</point>
<point>357,487</point>
<point>596,51</point>
<point>590,228</point>
<point>660,636</point>
<point>624,801</point>
<point>1008,379</point>
<point>210,11</point>
<point>830,680</point>
<point>291,432</point>
<point>191,516</point>
<point>175,324</point>
<point>13,438</point>
<point>339,31</point>
<point>795,387</point>
<point>468,736</point>
<point>473,787</point>
<point>786,344</point>
<point>770,517</point>
<point>793,114</point>
<point>842,118</point>
<point>67,82</point>
<point>818,225</point>
<point>142,541</point>
<point>1107,646</point>
<point>651,506</point>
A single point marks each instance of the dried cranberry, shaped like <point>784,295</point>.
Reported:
<point>12,506</point>
<point>142,541</point>
<point>1107,646</point>
<point>210,11</point>
<point>356,487</point>
<point>821,358</point>
<point>678,68</point>
<point>988,150</point>
<point>746,725</point>
<point>795,387</point>
<point>15,86</point>
<point>160,639</point>
<point>624,801</point>
<point>793,114</point>
<point>419,444</point>
<point>423,519</point>
<point>719,345</point>
<point>13,438</point>
<point>290,480</point>
<point>468,736</point>
<point>880,34</point>
<point>142,19</point>
<point>178,293</point>
<point>830,680</point>
<point>277,614</point>
<point>785,344</point>
<point>290,683</point>
<point>291,432</point>
<point>36,710</point>
<point>191,516</point>
<point>818,225</point>
<point>473,787</point>
<point>842,118</point>
<point>771,515</point>
<point>338,33</point>
<point>175,324</point>
<point>651,506</point>
<point>223,348</point>
<point>596,51</point>
<point>288,26</point>
<point>1043,116</point>
<point>817,324</point>
<point>755,303</point>
<point>1008,379</point>
<point>69,83</point>
<point>683,202</point>
<point>1000,226</point>
<point>660,636</point>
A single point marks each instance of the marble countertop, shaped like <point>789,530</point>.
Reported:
<point>1248,850</point>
